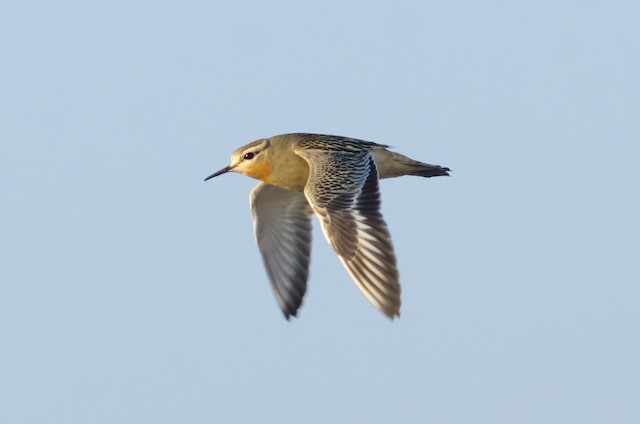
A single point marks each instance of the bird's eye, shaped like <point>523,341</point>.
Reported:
<point>249,156</point>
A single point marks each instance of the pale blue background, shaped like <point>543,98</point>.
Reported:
<point>133,292</point>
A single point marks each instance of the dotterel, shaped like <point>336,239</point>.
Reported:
<point>337,179</point>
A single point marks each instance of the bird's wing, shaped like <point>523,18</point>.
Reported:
<point>343,191</point>
<point>282,225</point>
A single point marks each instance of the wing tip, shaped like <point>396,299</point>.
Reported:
<point>289,312</point>
<point>392,314</point>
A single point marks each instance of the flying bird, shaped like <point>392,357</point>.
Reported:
<point>337,179</point>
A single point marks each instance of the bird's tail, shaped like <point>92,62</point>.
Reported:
<point>420,169</point>
<point>392,164</point>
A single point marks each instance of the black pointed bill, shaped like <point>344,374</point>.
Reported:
<point>220,172</point>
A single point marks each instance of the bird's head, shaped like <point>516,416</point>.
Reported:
<point>249,160</point>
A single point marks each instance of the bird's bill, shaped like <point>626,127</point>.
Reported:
<point>220,172</point>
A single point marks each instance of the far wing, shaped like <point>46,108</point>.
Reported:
<point>282,225</point>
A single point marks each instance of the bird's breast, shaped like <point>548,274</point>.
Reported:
<point>290,172</point>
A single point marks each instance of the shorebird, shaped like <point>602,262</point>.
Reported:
<point>337,179</point>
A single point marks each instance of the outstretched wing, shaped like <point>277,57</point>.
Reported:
<point>343,191</point>
<point>282,225</point>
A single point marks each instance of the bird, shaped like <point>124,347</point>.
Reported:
<point>337,179</point>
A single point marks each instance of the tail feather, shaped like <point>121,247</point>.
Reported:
<point>392,164</point>
<point>427,170</point>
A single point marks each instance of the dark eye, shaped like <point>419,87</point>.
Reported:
<point>249,156</point>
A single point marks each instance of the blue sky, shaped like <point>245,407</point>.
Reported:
<point>131,291</point>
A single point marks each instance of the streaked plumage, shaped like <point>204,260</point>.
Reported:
<point>337,179</point>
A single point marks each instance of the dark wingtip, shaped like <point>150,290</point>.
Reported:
<point>391,314</point>
<point>288,316</point>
